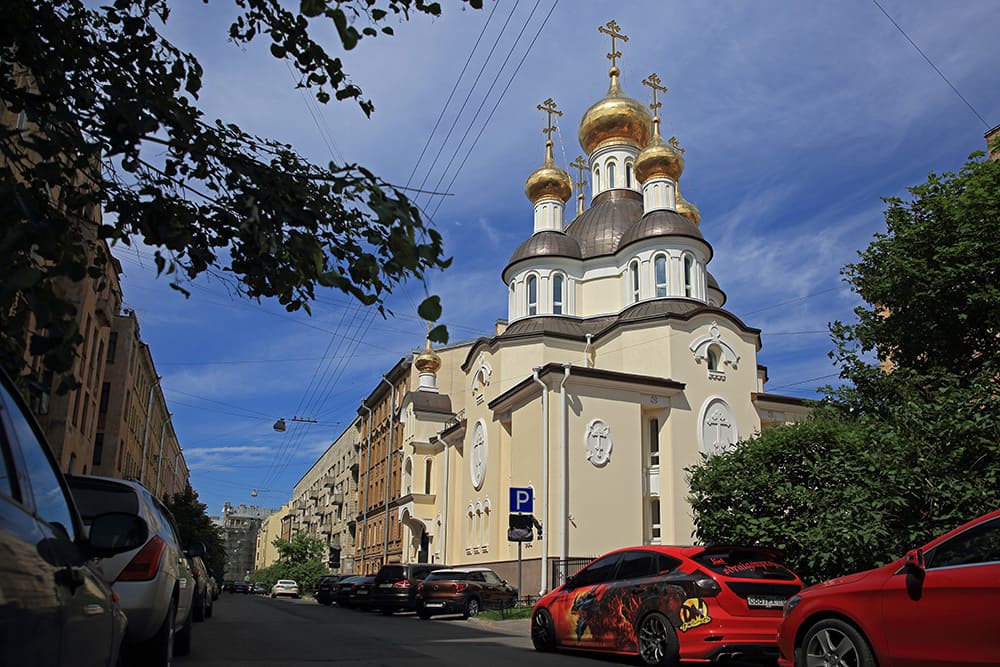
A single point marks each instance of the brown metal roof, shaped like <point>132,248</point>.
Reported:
<point>660,223</point>
<point>600,228</point>
<point>547,244</point>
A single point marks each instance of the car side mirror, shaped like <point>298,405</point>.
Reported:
<point>195,549</point>
<point>116,532</point>
<point>570,582</point>
<point>915,560</point>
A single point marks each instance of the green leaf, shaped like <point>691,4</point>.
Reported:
<point>312,8</point>
<point>430,308</point>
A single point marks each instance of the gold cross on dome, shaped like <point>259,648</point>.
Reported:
<point>676,144</point>
<point>653,81</point>
<point>549,106</point>
<point>615,32</point>
<point>582,166</point>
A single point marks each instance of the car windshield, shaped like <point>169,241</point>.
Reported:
<point>391,573</point>
<point>745,564</point>
<point>94,498</point>
<point>445,575</point>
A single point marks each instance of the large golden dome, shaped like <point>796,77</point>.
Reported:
<point>659,158</point>
<point>548,180</point>
<point>614,119</point>
<point>428,361</point>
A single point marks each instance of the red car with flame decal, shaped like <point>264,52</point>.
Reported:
<point>666,603</point>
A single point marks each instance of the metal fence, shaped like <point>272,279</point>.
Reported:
<point>565,567</point>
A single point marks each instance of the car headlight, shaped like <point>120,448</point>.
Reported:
<point>791,603</point>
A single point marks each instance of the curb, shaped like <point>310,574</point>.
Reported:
<point>519,626</point>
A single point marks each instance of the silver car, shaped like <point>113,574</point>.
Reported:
<point>154,582</point>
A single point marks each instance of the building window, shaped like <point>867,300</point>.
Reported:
<point>688,275</point>
<point>654,443</point>
<point>98,449</point>
<point>597,179</point>
<point>660,275</point>
<point>611,175</point>
<point>532,295</point>
<point>654,520</point>
<point>628,174</point>
<point>557,293</point>
<point>633,280</point>
<point>714,358</point>
<point>427,476</point>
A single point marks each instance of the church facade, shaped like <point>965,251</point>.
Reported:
<point>618,367</point>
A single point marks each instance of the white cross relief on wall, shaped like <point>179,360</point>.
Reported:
<point>598,442</point>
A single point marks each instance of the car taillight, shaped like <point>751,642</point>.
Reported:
<point>708,587</point>
<point>195,572</point>
<point>146,563</point>
<point>460,587</point>
<point>420,588</point>
<point>402,583</point>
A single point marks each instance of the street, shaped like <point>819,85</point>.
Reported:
<point>256,630</point>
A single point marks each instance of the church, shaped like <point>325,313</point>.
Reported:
<point>617,367</point>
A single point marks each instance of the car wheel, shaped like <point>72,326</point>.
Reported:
<point>834,642</point>
<point>386,612</point>
<point>471,607</point>
<point>543,632</point>
<point>657,639</point>
<point>182,640</point>
<point>158,650</point>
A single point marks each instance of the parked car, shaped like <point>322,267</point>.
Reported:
<point>344,592</point>
<point>154,581</point>
<point>935,606</point>
<point>709,604</point>
<point>259,588</point>
<point>326,588</point>
<point>56,608</point>
<point>285,587</point>
<point>361,594</point>
<point>213,583</point>
<point>395,586</point>
<point>463,590</point>
<point>240,587</point>
<point>201,604</point>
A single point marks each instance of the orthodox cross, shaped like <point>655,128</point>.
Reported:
<point>549,106</point>
<point>653,81</point>
<point>676,144</point>
<point>582,166</point>
<point>614,31</point>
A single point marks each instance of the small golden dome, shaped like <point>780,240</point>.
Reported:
<point>548,180</point>
<point>428,361</point>
<point>658,158</point>
<point>614,119</point>
<point>687,209</point>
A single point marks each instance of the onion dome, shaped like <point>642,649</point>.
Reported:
<point>548,243</point>
<point>659,158</point>
<point>657,224</point>
<point>599,229</point>
<point>548,180</point>
<point>616,119</point>
<point>428,361</point>
<point>687,209</point>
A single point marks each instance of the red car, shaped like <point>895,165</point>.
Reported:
<point>701,604</point>
<point>936,606</point>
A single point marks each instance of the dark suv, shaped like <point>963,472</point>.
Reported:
<point>395,586</point>
<point>326,588</point>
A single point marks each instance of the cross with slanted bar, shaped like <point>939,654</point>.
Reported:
<point>582,166</point>
<point>614,31</point>
<point>549,106</point>
<point>653,81</point>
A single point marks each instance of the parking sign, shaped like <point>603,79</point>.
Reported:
<point>521,499</point>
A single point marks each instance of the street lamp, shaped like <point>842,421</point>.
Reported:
<point>280,426</point>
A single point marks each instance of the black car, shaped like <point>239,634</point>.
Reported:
<point>326,588</point>
<point>346,594</point>
<point>240,587</point>
<point>395,586</point>
<point>201,604</point>
<point>56,609</point>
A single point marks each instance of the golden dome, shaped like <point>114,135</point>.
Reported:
<point>614,119</point>
<point>687,209</point>
<point>658,158</point>
<point>428,361</point>
<point>548,180</point>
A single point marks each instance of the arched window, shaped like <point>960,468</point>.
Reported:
<point>486,523</point>
<point>428,466</point>
<point>611,175</point>
<point>688,275</point>
<point>633,280</point>
<point>558,288</point>
<point>660,275</point>
<point>408,477</point>
<point>628,174</point>
<point>479,525</point>
<point>597,180</point>
<point>469,534</point>
<point>532,295</point>
<point>714,358</point>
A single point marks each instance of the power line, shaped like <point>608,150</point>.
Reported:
<point>940,73</point>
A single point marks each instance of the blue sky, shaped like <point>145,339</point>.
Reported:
<point>796,117</point>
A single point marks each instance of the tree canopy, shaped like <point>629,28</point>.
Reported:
<point>909,446</point>
<point>195,525</point>
<point>107,120</point>
<point>300,559</point>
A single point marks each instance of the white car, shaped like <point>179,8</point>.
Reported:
<point>285,587</point>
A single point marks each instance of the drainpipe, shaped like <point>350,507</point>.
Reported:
<point>565,461</point>
<point>368,465</point>
<point>177,459</point>
<point>444,503</point>
<point>388,469</point>
<point>586,351</point>
<point>145,430</point>
<point>545,478</point>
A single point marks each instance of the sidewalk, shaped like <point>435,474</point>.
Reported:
<point>519,626</point>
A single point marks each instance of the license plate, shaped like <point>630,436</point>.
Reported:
<point>362,593</point>
<point>385,585</point>
<point>765,601</point>
<point>434,604</point>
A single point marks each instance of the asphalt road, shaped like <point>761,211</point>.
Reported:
<point>260,632</point>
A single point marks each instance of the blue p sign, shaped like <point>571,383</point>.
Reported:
<point>521,499</point>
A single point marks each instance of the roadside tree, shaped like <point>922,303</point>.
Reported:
<point>195,525</point>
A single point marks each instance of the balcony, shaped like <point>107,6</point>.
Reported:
<point>337,498</point>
